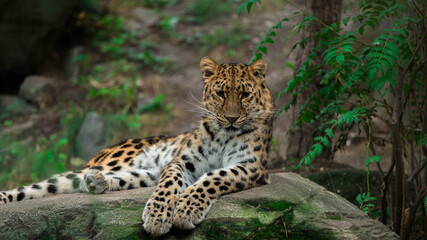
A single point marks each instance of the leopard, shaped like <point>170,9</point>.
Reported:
<point>227,153</point>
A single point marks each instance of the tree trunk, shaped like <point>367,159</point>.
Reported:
<point>301,138</point>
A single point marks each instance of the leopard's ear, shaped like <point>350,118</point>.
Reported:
<point>209,68</point>
<point>258,69</point>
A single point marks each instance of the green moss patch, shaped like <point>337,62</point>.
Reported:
<point>253,224</point>
<point>243,229</point>
<point>270,205</point>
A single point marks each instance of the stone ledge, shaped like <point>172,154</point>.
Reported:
<point>290,206</point>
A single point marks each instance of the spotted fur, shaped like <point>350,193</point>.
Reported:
<point>227,153</point>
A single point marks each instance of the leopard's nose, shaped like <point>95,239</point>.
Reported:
<point>232,119</point>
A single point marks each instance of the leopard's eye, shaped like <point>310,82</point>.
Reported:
<point>220,94</point>
<point>245,95</point>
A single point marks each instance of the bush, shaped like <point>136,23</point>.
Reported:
<point>351,71</point>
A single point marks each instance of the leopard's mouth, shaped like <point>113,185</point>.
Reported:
<point>231,129</point>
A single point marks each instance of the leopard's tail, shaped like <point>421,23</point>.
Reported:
<point>68,182</point>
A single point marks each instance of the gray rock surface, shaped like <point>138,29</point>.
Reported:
<point>143,100</point>
<point>289,207</point>
<point>31,27</point>
<point>141,20</point>
<point>15,105</point>
<point>34,86</point>
<point>71,66</point>
<point>94,135</point>
<point>145,16</point>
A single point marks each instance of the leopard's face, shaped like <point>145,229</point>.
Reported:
<point>235,94</point>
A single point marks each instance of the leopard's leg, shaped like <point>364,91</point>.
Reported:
<point>98,182</point>
<point>196,200</point>
<point>158,211</point>
<point>68,182</point>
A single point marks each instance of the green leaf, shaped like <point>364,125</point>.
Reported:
<point>291,86</point>
<point>301,162</point>
<point>263,49</point>
<point>361,29</point>
<point>312,155</point>
<point>318,138</point>
<point>326,142</point>
<point>249,6</point>
<point>307,160</point>
<point>62,156</point>
<point>272,33</point>
<point>318,149</point>
<point>314,107</point>
<point>329,55</point>
<point>375,158</point>
<point>359,199</point>
<point>345,21</point>
<point>369,198</point>
<point>240,8</point>
<point>400,31</point>
<point>49,157</point>
<point>372,73</point>
<point>329,132</point>
<point>79,58</point>
<point>340,59</point>
<point>290,65</point>
<point>308,116</point>
<point>8,123</point>
<point>159,98</point>
<point>269,40</point>
<point>61,142</point>
<point>52,137</point>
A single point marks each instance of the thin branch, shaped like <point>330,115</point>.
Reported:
<point>421,12</point>
<point>397,154</point>
<point>381,118</point>
<point>414,77</point>
<point>390,170</point>
<point>372,148</point>
<point>384,190</point>
<point>417,48</point>
<point>417,171</point>
<point>412,213</point>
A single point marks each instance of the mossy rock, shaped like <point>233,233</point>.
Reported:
<point>291,207</point>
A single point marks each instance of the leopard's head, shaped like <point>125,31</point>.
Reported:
<point>235,94</point>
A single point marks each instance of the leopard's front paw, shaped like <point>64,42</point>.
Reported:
<point>157,216</point>
<point>95,181</point>
<point>190,210</point>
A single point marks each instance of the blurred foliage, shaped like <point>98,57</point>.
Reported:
<point>204,10</point>
<point>232,38</point>
<point>159,4</point>
<point>23,164</point>
<point>115,42</point>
